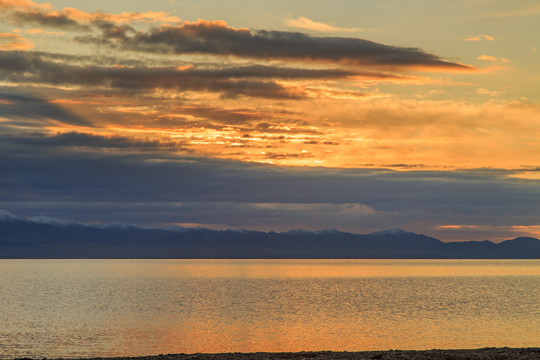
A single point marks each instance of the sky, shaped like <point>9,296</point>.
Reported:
<point>358,115</point>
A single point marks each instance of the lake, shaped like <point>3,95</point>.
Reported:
<point>83,308</point>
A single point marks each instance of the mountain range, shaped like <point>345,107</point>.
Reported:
<point>51,238</point>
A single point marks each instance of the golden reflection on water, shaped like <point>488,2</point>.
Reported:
<point>76,308</point>
<point>352,268</point>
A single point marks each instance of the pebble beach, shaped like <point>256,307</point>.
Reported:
<point>475,354</point>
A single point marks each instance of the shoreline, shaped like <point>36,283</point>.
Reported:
<point>530,353</point>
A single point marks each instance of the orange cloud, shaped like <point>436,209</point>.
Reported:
<point>487,58</point>
<point>331,130</point>
<point>122,18</point>
<point>493,58</point>
<point>479,38</point>
<point>10,41</point>
<point>532,228</point>
<point>22,5</point>
<point>308,24</point>
<point>28,11</point>
<point>74,102</point>
<point>458,227</point>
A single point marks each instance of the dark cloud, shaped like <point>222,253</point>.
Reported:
<point>139,177</point>
<point>25,107</point>
<point>216,38</point>
<point>137,79</point>
<point>113,31</point>
<point>67,21</point>
<point>278,128</point>
<point>80,141</point>
<point>96,60</point>
<point>57,20</point>
<point>279,156</point>
<point>28,67</point>
<point>261,71</point>
<point>88,177</point>
<point>19,61</point>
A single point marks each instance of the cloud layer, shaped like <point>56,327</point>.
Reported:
<point>253,80</point>
<point>305,23</point>
<point>87,186</point>
<point>148,118</point>
<point>216,38</point>
<point>219,39</point>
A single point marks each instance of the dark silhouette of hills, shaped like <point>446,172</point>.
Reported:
<point>46,238</point>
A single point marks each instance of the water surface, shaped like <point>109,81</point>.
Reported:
<point>76,308</point>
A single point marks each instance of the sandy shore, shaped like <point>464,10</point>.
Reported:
<point>487,353</point>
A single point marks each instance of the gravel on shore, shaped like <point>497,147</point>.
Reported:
<point>476,354</point>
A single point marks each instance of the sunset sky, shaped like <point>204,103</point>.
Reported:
<point>359,115</point>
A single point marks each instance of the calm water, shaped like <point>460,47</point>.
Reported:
<point>75,308</point>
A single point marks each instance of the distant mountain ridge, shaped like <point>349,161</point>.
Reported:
<point>45,237</point>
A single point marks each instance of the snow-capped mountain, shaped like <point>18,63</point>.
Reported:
<point>45,237</point>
